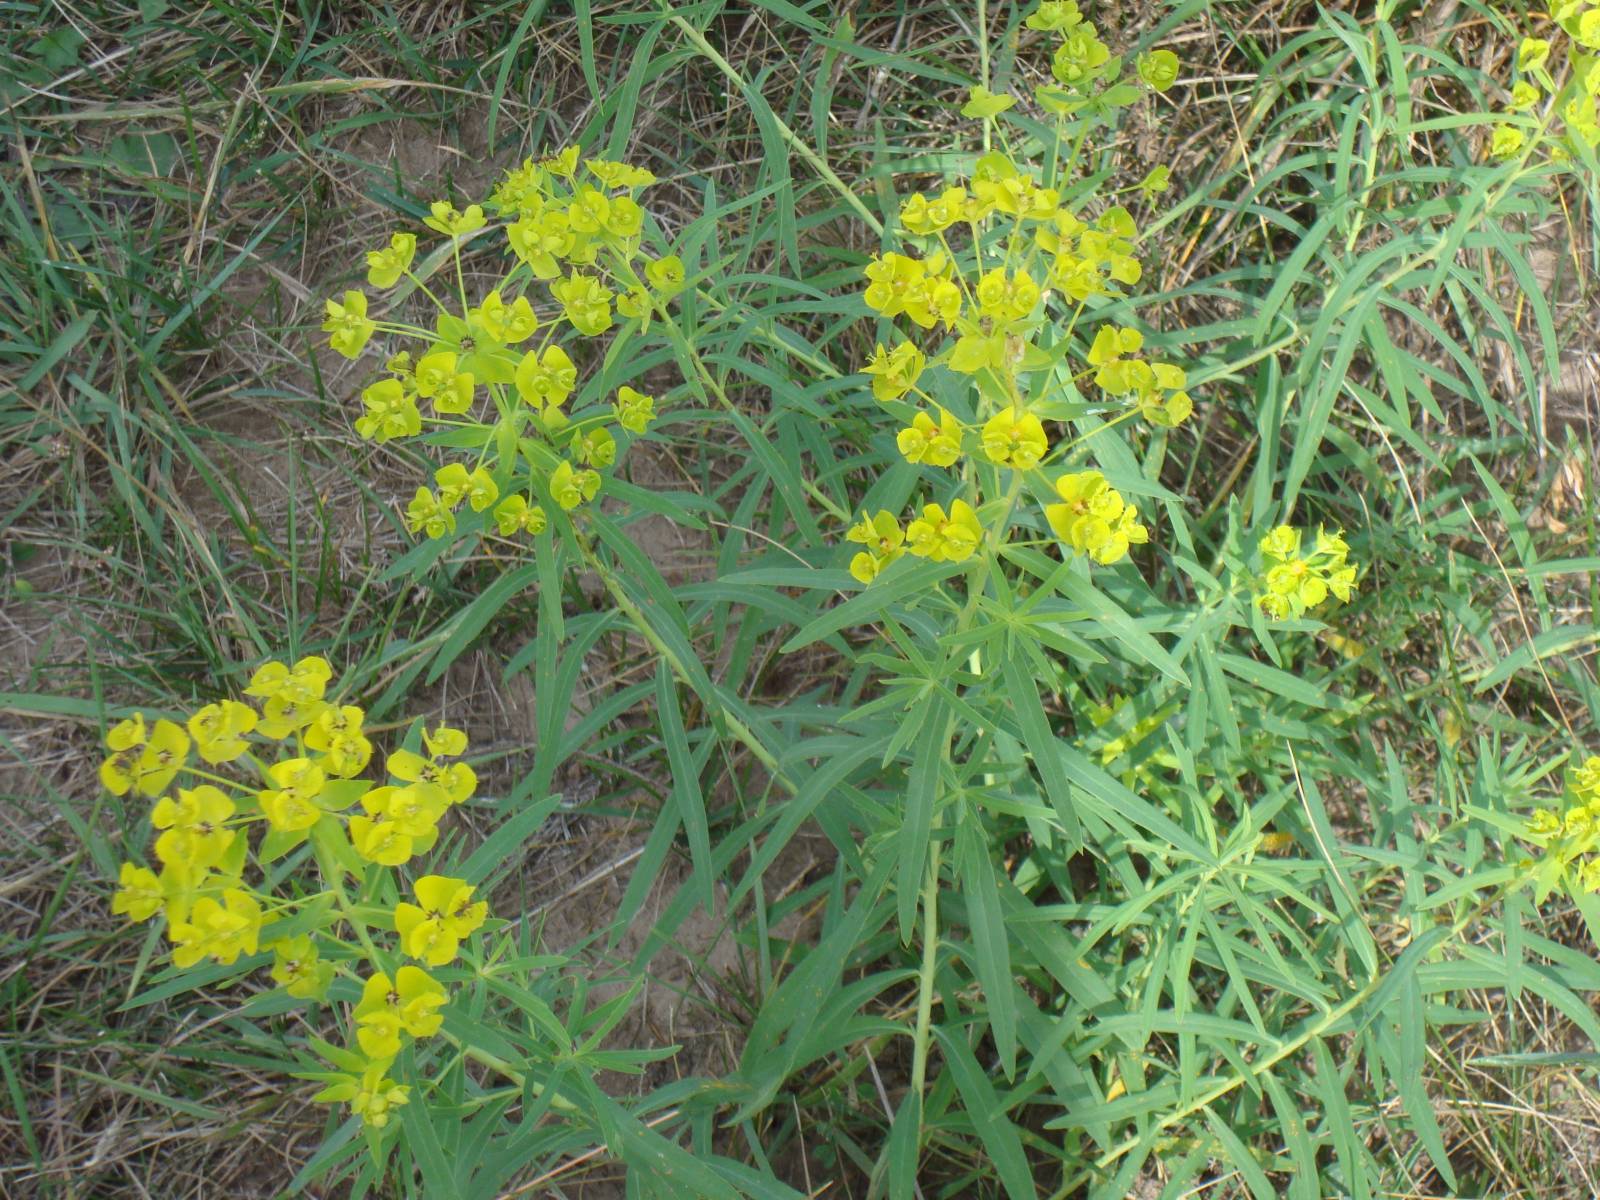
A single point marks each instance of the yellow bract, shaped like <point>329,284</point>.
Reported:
<point>1093,517</point>
<point>936,445</point>
<point>945,537</point>
<point>220,930</point>
<point>384,267</point>
<point>348,325</point>
<point>432,929</point>
<point>895,372</point>
<point>1295,582</point>
<point>445,218</point>
<point>569,488</point>
<point>1016,439</point>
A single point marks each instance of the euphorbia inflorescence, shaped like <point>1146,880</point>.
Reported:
<point>239,787</point>
<point>493,378</point>
<point>1554,103</point>
<point>1001,259</point>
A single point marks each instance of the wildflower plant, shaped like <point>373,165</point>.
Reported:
<point>244,788</point>
<point>1016,554</point>
<point>493,377</point>
<point>291,860</point>
<point>988,308</point>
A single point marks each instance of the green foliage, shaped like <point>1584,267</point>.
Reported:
<point>1147,865</point>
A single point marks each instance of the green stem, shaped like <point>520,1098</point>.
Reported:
<point>636,617</point>
<point>930,958</point>
<point>816,161</point>
<point>1293,1046</point>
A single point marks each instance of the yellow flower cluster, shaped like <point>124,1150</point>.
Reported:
<point>1557,85</point>
<point>1094,518</point>
<point>494,376</point>
<point>296,760</point>
<point>1155,388</point>
<point>977,309</point>
<point>1570,838</point>
<point>1294,582</point>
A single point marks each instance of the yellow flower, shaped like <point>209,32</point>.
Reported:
<point>611,174</point>
<point>563,162</point>
<point>119,771</point>
<point>624,219</point>
<point>926,217</point>
<point>1507,140</point>
<point>413,810</point>
<point>595,447</point>
<point>373,1097</point>
<point>1282,544</point>
<point>1055,16</point>
<point>381,842</point>
<point>427,513</point>
<point>585,302</point>
<point>384,267</point>
<point>1005,297</point>
<point>542,240</point>
<point>1116,373</point>
<point>409,1003</point>
<point>982,103</point>
<point>518,190</point>
<point>546,379</point>
<point>477,487</point>
<point>348,325</point>
<point>570,488</point>
<point>975,351</point>
<point>445,218</point>
<point>514,322</point>
<point>391,412</point>
<point>306,680</point>
<point>665,274</point>
<point>1586,780</point>
<point>181,884</point>
<point>515,513</point>
<point>1079,59</point>
<point>336,733</point>
<point>161,758</point>
<point>884,541</point>
<point>936,445</point>
<point>281,716</point>
<point>895,372</point>
<point>1524,95</point>
<point>933,297</point>
<point>193,827</point>
<point>1093,518</point>
<point>457,781</point>
<point>445,741</point>
<point>432,929</point>
<point>438,380</point>
<point>1015,438</point>
<point>1158,69</point>
<point>889,280</point>
<point>297,968</point>
<point>218,730</point>
<point>220,931</point>
<point>1022,198</point>
<point>139,895</point>
<point>634,410</point>
<point>944,538</point>
<point>293,804</point>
